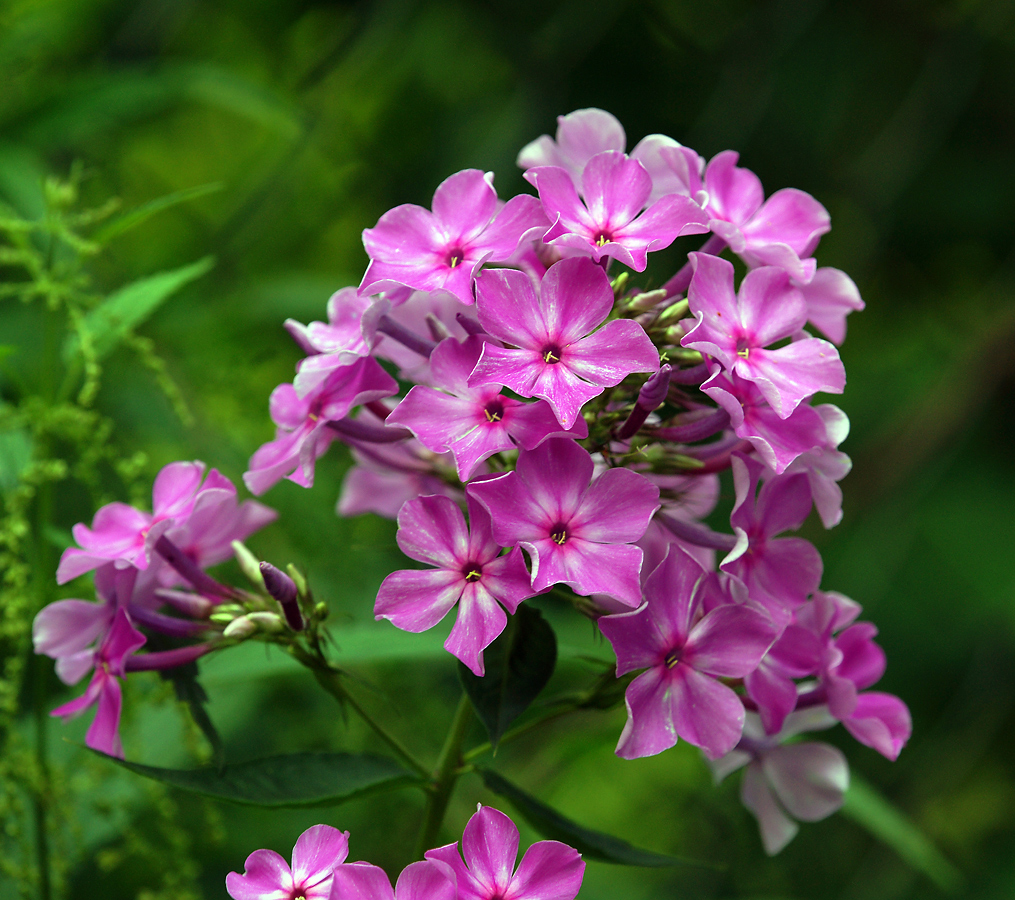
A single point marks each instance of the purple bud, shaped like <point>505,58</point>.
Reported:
<point>283,589</point>
<point>190,570</point>
<point>650,397</point>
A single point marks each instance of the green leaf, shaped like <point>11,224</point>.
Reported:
<point>591,844</point>
<point>136,216</point>
<point>189,691</point>
<point>15,455</point>
<point>131,305</point>
<point>294,780</point>
<point>518,666</point>
<point>865,806</point>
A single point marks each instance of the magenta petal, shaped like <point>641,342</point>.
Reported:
<point>468,887</point>
<point>831,295</point>
<point>671,594</point>
<point>783,504</point>
<point>480,620</point>
<point>557,474</point>
<point>424,880</point>
<point>174,488</point>
<point>590,568</point>
<point>508,580</point>
<point>435,418</point>
<point>616,508</point>
<point>615,187</point>
<point>478,444</point>
<point>705,713</point>
<point>481,547</point>
<point>532,423</point>
<point>560,202</point>
<point>637,638</point>
<point>649,729</point>
<point>464,203</point>
<point>575,297</point>
<point>432,530</point>
<point>770,307</point>
<point>794,372</point>
<point>357,881</point>
<point>266,876</point>
<point>790,217</point>
<point>881,721</point>
<point>490,847</point>
<point>102,733</point>
<point>516,369</point>
<point>67,626</point>
<point>612,353</point>
<point>777,829</point>
<point>775,694</point>
<point>714,304</point>
<point>510,508</point>
<point>663,222</point>
<point>734,194</point>
<point>729,641</point>
<point>549,870</point>
<point>318,850</point>
<point>564,391</point>
<point>809,779</point>
<point>863,661</point>
<point>415,600</point>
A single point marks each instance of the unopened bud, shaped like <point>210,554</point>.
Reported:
<point>620,283</point>
<point>225,613</point>
<point>248,563</point>
<point>283,589</point>
<point>646,301</point>
<point>297,576</point>
<point>266,621</point>
<point>674,313</point>
<point>240,628</point>
<point>321,611</point>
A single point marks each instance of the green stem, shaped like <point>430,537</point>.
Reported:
<point>509,736</point>
<point>330,679</point>
<point>445,777</point>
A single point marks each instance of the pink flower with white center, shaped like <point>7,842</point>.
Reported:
<point>125,535</point>
<point>425,880</point>
<point>559,356</point>
<point>267,876</point>
<point>780,573</point>
<point>576,531</point>
<point>685,651</point>
<point>444,249</point>
<point>781,231</point>
<point>586,132</point>
<point>473,423</point>
<point>613,220</point>
<point>737,329</point>
<point>302,435</point>
<point>805,781</point>
<point>778,440</point>
<point>470,573</point>
<point>120,641</point>
<point>549,870</point>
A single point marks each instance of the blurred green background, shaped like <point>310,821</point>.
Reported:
<point>315,118</point>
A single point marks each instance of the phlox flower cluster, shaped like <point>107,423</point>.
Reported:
<point>582,425</point>
<point>549,870</point>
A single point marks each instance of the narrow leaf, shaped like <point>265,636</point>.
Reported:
<point>591,844</point>
<point>865,806</point>
<point>131,305</point>
<point>295,780</point>
<point>15,455</point>
<point>189,691</point>
<point>136,216</point>
<point>518,666</point>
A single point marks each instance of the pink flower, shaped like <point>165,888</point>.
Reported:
<point>342,333</point>
<point>425,880</point>
<point>880,721</point>
<point>685,651</point>
<point>121,640</point>
<point>267,876</point>
<point>444,249</point>
<point>549,870</point>
<point>576,531</point>
<point>470,572</point>
<point>831,295</point>
<point>737,329</point>
<point>558,357</point>
<point>473,423</point>
<point>613,220</point>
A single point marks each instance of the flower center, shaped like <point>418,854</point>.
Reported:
<point>743,348</point>
<point>494,411</point>
<point>672,658</point>
<point>455,256</point>
<point>559,534</point>
<point>472,572</point>
<point>551,354</point>
<point>603,238</point>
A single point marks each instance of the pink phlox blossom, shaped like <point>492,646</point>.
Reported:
<point>549,870</point>
<point>559,357</point>
<point>68,630</point>
<point>444,249</point>
<point>473,423</point>
<point>880,721</point>
<point>302,435</point>
<point>576,531</point>
<point>831,295</point>
<point>342,334</point>
<point>778,440</point>
<point>267,876</point>
<point>685,651</point>
<point>424,880</point>
<point>470,572</point>
<point>772,686</point>
<point>109,659</point>
<point>780,573</point>
<point>784,782</point>
<point>613,220</point>
<point>585,133</point>
<point>386,475</point>
<point>125,535</point>
<point>737,329</point>
<point>825,465</point>
<point>781,231</point>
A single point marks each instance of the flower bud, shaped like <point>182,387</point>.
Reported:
<point>266,621</point>
<point>248,564</point>
<point>283,589</point>
<point>240,628</point>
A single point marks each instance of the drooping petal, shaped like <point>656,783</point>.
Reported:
<point>809,779</point>
<point>777,829</point>
<point>102,734</point>
<point>881,721</point>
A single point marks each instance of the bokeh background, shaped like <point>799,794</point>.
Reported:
<point>315,118</point>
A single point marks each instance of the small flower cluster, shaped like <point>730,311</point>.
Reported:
<point>549,870</point>
<point>582,425</point>
<point>141,561</point>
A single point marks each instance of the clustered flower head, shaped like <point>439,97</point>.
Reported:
<point>565,430</point>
